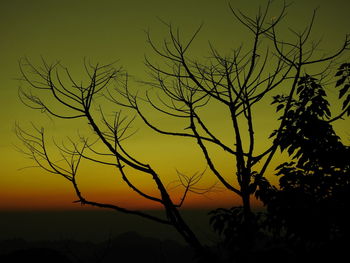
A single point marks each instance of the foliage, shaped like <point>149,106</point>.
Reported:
<point>310,205</point>
<point>232,225</point>
<point>344,80</point>
<point>308,210</point>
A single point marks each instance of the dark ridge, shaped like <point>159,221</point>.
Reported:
<point>127,247</point>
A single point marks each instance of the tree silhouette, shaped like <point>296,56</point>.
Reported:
<point>237,83</point>
<point>311,203</point>
<point>76,102</point>
<point>308,211</point>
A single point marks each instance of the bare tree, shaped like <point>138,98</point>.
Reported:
<point>237,83</point>
<point>74,101</point>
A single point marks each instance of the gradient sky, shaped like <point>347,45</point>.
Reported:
<point>105,31</point>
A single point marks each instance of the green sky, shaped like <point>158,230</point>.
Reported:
<point>105,31</point>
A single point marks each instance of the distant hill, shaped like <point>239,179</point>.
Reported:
<point>127,247</point>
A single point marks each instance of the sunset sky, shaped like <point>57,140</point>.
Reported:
<point>105,31</point>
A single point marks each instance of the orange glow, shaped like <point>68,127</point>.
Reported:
<point>110,32</point>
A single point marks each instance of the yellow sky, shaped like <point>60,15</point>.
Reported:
<point>105,31</point>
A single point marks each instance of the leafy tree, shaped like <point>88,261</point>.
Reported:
<point>310,206</point>
<point>308,211</point>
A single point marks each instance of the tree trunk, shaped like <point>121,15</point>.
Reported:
<point>248,223</point>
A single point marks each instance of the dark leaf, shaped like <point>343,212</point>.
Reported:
<point>321,92</point>
<point>340,81</point>
<point>315,85</point>
<point>279,107</point>
<point>283,146</point>
<point>300,88</point>
<point>298,154</point>
<point>276,99</point>
<point>291,149</point>
<point>346,102</point>
<point>273,134</point>
<point>344,65</point>
<point>339,73</point>
<point>343,90</point>
<point>328,112</point>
